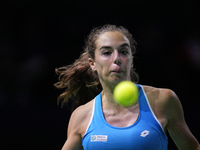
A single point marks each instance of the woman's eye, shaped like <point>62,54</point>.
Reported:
<point>107,53</point>
<point>124,52</point>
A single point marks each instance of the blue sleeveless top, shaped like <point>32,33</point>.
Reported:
<point>145,134</point>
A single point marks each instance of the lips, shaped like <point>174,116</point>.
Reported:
<point>117,71</point>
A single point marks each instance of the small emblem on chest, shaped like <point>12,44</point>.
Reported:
<point>101,138</point>
<point>144,133</point>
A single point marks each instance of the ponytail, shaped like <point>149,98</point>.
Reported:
<point>81,84</point>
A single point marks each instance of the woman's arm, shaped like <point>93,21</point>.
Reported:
<point>73,142</point>
<point>77,127</point>
<point>177,126</point>
<point>74,139</point>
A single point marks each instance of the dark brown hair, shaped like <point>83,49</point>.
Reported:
<point>81,84</point>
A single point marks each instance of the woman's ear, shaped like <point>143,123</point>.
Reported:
<point>92,64</point>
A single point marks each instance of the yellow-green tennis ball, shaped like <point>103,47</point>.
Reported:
<point>126,93</point>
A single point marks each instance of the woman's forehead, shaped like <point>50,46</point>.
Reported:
<point>111,37</point>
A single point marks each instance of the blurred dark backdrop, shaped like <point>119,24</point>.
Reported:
<point>36,37</point>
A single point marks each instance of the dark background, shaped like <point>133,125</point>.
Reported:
<point>36,37</point>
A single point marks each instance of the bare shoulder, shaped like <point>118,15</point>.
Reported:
<point>164,102</point>
<point>83,109</point>
<point>80,118</point>
<point>163,95</point>
<point>152,89</point>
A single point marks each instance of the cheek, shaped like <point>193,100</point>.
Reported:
<point>128,65</point>
<point>128,61</point>
<point>102,64</point>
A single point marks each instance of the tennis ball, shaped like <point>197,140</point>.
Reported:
<point>126,93</point>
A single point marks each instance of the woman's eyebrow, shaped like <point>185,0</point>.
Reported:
<point>109,47</point>
<point>105,47</point>
<point>124,45</point>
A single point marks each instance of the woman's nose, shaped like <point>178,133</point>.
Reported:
<point>117,59</point>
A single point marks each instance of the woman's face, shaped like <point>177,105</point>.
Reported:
<point>113,57</point>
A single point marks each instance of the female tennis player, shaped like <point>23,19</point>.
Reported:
<point>98,122</point>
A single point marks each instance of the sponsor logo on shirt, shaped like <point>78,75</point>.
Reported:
<point>144,133</point>
<point>102,138</point>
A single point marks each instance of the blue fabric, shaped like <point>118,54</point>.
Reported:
<point>145,134</point>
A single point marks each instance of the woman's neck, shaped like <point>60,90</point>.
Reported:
<point>107,94</point>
